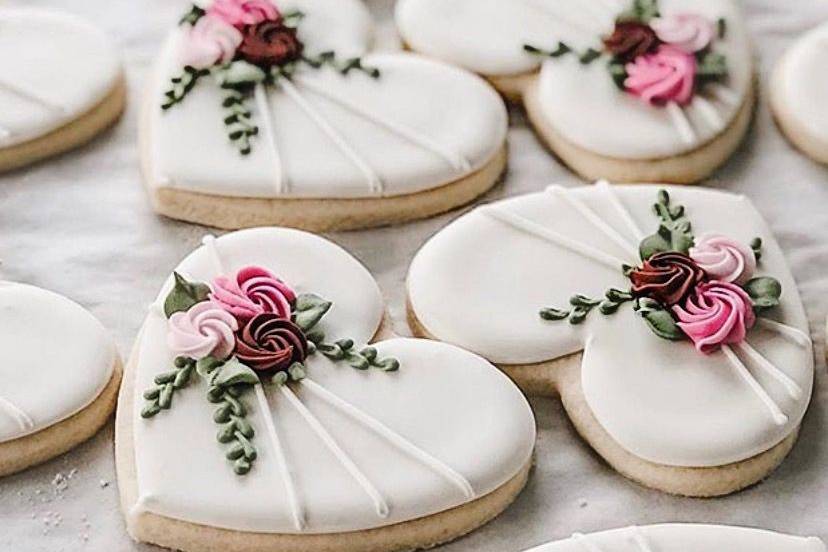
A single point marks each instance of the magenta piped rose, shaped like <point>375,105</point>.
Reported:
<point>253,290</point>
<point>718,313</point>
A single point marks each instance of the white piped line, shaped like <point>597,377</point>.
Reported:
<point>794,334</point>
<point>374,181</point>
<point>263,105</point>
<point>681,123</point>
<point>535,229</point>
<point>284,471</point>
<point>380,504</point>
<point>454,158</point>
<point>392,437</point>
<point>609,191</point>
<point>724,94</point>
<point>31,96</point>
<point>23,420</point>
<point>790,385</point>
<point>209,242</point>
<point>640,539</point>
<point>595,220</point>
<point>581,539</point>
<point>779,417</point>
<point>708,111</point>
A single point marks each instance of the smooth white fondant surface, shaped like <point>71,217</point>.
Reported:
<point>53,68</point>
<point>803,85</point>
<point>580,101</point>
<point>674,537</point>
<point>663,401</point>
<point>441,400</point>
<point>460,116</point>
<point>58,358</point>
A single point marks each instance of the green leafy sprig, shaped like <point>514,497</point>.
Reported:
<point>642,11</point>
<point>160,396</point>
<point>756,246</point>
<point>582,306</point>
<point>586,57</point>
<point>674,231</point>
<point>192,16</point>
<point>182,85</point>
<point>328,58</point>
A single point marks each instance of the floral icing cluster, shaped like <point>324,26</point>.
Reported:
<point>240,331</point>
<point>660,59</point>
<point>699,288</point>
<point>242,43</point>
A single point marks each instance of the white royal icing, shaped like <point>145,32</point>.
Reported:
<point>803,85</point>
<point>675,537</point>
<point>581,101</point>
<point>54,67</point>
<point>58,359</point>
<point>420,125</point>
<point>663,401</point>
<point>344,449</point>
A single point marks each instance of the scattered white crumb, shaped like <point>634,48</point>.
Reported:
<point>582,503</point>
<point>104,483</point>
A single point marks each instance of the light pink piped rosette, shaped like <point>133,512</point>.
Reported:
<point>689,32</point>
<point>724,258</point>
<point>203,330</point>
<point>211,40</point>
<point>718,313</point>
<point>239,13</point>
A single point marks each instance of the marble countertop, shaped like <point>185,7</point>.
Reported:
<point>81,225</point>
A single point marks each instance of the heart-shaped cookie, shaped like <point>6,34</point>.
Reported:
<point>688,371</point>
<point>632,91</point>
<point>60,375</point>
<point>60,84</point>
<point>281,116</point>
<point>677,537</point>
<point>322,444</point>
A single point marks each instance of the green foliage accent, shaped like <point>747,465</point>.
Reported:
<point>583,305</point>
<point>641,10</point>
<point>184,295</point>
<point>346,66</point>
<point>590,55</point>
<point>557,52</point>
<point>181,85</point>
<point>756,245</point>
<point>343,350</point>
<point>293,18</point>
<point>618,72</point>
<point>238,120</point>
<point>309,310</point>
<point>194,14</point>
<point>659,320</point>
<point>159,397</point>
<point>764,291</point>
<point>712,66</point>
<point>721,27</point>
<point>674,232</point>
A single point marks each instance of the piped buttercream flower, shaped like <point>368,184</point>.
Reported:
<point>211,40</point>
<point>667,75</point>
<point>688,31</point>
<point>724,258</point>
<point>717,313</point>
<point>254,290</point>
<point>240,13</point>
<point>203,330</point>
<point>666,277</point>
<point>271,344</point>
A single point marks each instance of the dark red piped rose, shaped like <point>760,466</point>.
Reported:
<point>666,277</point>
<point>270,344</point>
<point>270,43</point>
<point>631,39</point>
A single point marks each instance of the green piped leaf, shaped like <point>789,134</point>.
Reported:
<point>232,373</point>
<point>240,73</point>
<point>309,310</point>
<point>764,291</point>
<point>551,313</point>
<point>674,231</point>
<point>659,320</point>
<point>184,295</point>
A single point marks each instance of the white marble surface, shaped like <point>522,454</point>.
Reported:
<point>81,225</point>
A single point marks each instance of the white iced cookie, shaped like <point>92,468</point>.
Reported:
<point>675,537</point>
<point>254,418</point>
<point>60,375</point>
<point>798,89</point>
<point>644,91</point>
<point>689,371</point>
<point>60,84</point>
<point>265,112</point>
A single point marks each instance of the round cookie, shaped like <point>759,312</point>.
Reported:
<point>644,91</point>
<point>318,133</point>
<point>797,94</point>
<point>689,372</point>
<point>323,443</point>
<point>682,537</point>
<point>53,396</point>
<point>61,84</point>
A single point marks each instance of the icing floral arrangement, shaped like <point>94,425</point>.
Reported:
<point>240,331</point>
<point>660,59</point>
<point>698,288</point>
<point>244,43</point>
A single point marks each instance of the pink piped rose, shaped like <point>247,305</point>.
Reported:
<point>667,75</point>
<point>689,32</point>
<point>724,258</point>
<point>716,314</point>
<point>211,40</point>
<point>203,330</point>
<point>241,13</point>
<point>254,290</point>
